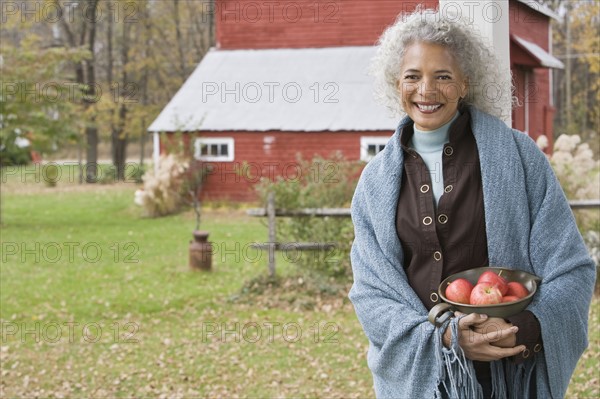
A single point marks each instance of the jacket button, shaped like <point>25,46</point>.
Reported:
<point>537,348</point>
<point>526,353</point>
<point>437,255</point>
<point>427,220</point>
<point>424,188</point>
<point>448,188</point>
<point>442,218</point>
<point>448,151</point>
<point>434,297</point>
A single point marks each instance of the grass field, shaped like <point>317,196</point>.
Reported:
<point>97,301</point>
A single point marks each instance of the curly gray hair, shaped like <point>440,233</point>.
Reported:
<point>489,90</point>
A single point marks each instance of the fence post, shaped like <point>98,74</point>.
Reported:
<point>272,235</point>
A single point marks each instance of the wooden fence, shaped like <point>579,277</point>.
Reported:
<point>271,212</point>
<point>585,204</point>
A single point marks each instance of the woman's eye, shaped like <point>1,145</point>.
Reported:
<point>411,77</point>
<point>444,77</point>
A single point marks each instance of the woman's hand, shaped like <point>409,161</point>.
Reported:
<point>483,343</point>
<point>492,326</point>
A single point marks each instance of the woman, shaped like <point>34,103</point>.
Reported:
<point>455,189</point>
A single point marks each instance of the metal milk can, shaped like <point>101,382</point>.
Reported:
<point>200,251</point>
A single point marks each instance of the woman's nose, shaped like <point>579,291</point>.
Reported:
<point>426,86</point>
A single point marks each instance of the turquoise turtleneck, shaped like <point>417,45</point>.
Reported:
<point>429,144</point>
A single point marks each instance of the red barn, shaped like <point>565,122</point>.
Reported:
<point>291,77</point>
<point>530,60</point>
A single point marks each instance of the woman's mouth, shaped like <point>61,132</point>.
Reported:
<point>428,108</point>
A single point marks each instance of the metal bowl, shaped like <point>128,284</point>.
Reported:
<point>503,310</point>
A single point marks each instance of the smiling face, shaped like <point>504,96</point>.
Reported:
<point>430,85</point>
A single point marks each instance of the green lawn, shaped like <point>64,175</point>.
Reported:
<point>97,301</point>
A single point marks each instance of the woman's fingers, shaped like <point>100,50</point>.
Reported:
<point>499,353</point>
<point>496,334</point>
<point>469,320</point>
<point>478,344</point>
<point>495,353</point>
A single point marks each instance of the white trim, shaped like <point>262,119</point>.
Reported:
<point>545,58</point>
<point>156,151</point>
<point>366,141</point>
<point>491,17</point>
<point>526,78</point>
<point>215,140</point>
<point>550,72</point>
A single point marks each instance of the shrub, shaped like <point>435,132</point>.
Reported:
<point>578,173</point>
<point>107,174</point>
<point>320,183</point>
<point>51,174</point>
<point>14,149</point>
<point>575,166</point>
<point>162,193</point>
<point>135,174</point>
<point>592,240</point>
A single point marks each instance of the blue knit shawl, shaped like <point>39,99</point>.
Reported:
<point>529,226</point>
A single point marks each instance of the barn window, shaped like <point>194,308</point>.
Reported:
<point>219,149</point>
<point>370,146</point>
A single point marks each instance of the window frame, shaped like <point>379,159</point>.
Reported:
<point>229,141</point>
<point>366,141</point>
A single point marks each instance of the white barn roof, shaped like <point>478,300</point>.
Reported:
<point>324,89</point>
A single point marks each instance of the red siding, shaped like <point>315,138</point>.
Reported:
<point>529,24</point>
<point>248,24</point>
<point>243,24</point>
<point>534,27</point>
<point>255,158</point>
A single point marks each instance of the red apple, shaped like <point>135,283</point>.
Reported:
<point>516,289</point>
<point>494,279</point>
<point>485,294</point>
<point>510,298</point>
<point>459,290</point>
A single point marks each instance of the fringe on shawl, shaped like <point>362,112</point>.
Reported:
<point>457,374</point>
<point>510,380</point>
<point>518,378</point>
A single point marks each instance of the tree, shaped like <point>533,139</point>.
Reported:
<point>143,63</point>
<point>79,31</point>
<point>34,99</point>
<point>576,41</point>
<point>119,135</point>
<point>132,56</point>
